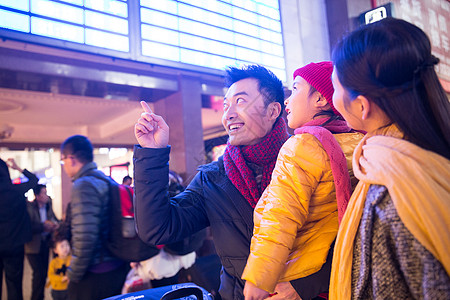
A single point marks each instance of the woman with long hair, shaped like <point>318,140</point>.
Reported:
<point>394,238</point>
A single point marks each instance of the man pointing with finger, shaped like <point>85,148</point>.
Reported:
<point>223,194</point>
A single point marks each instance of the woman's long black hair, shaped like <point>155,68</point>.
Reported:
<point>390,63</point>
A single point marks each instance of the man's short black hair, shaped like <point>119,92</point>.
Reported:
<point>38,188</point>
<point>80,147</point>
<point>127,177</point>
<point>269,85</point>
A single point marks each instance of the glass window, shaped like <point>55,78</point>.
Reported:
<point>210,33</point>
<point>215,6</point>
<point>76,2</point>
<point>249,5</point>
<point>159,18</point>
<point>205,30</point>
<point>245,15</point>
<point>246,28</point>
<point>271,36</point>
<point>280,73</point>
<point>247,42</point>
<point>205,59</point>
<point>113,7</point>
<point>269,23</point>
<point>162,5</point>
<point>58,11</point>
<point>202,44</point>
<point>14,21</point>
<point>271,3</point>
<point>268,12</point>
<point>57,30</point>
<point>17,4</point>
<point>249,55</point>
<point>158,34</point>
<point>274,61</point>
<point>160,51</point>
<point>107,40</point>
<point>272,48</point>
<point>204,16</point>
<point>105,22</point>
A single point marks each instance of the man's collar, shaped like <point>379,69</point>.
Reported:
<point>87,167</point>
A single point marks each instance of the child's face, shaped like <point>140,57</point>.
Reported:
<point>299,106</point>
<point>62,249</point>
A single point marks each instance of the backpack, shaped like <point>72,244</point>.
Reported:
<point>122,240</point>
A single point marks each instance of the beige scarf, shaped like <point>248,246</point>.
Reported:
<point>418,182</point>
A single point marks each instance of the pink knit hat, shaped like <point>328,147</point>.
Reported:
<point>319,76</point>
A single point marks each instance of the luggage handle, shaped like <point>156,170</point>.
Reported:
<point>183,292</point>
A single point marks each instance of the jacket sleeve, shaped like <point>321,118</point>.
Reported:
<point>161,220</point>
<point>299,168</point>
<point>36,225</point>
<point>31,183</point>
<point>86,209</point>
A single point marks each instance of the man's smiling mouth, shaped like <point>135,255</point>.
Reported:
<point>235,127</point>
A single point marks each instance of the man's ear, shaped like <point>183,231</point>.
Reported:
<point>73,161</point>
<point>274,110</point>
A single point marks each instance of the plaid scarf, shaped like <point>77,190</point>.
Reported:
<point>338,161</point>
<point>264,154</point>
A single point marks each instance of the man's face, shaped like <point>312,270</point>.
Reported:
<point>69,165</point>
<point>42,197</point>
<point>245,117</point>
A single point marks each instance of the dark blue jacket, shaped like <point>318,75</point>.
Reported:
<point>209,200</point>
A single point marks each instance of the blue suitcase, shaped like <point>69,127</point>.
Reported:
<point>183,291</point>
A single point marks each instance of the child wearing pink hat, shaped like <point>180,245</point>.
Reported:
<point>296,219</point>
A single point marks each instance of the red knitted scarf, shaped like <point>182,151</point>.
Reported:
<point>338,162</point>
<point>263,154</point>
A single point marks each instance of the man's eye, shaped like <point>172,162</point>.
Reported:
<point>225,106</point>
<point>240,100</point>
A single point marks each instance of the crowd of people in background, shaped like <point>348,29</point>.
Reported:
<point>355,204</point>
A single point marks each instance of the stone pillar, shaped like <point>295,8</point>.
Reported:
<point>182,111</point>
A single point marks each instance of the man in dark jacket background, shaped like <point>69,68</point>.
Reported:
<point>94,273</point>
<point>223,194</point>
<point>43,223</point>
<point>15,227</point>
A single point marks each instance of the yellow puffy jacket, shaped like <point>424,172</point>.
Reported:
<point>296,219</point>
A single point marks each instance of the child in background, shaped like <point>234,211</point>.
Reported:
<point>296,219</point>
<point>58,267</point>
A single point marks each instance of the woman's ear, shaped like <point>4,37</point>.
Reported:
<point>364,107</point>
<point>273,110</point>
